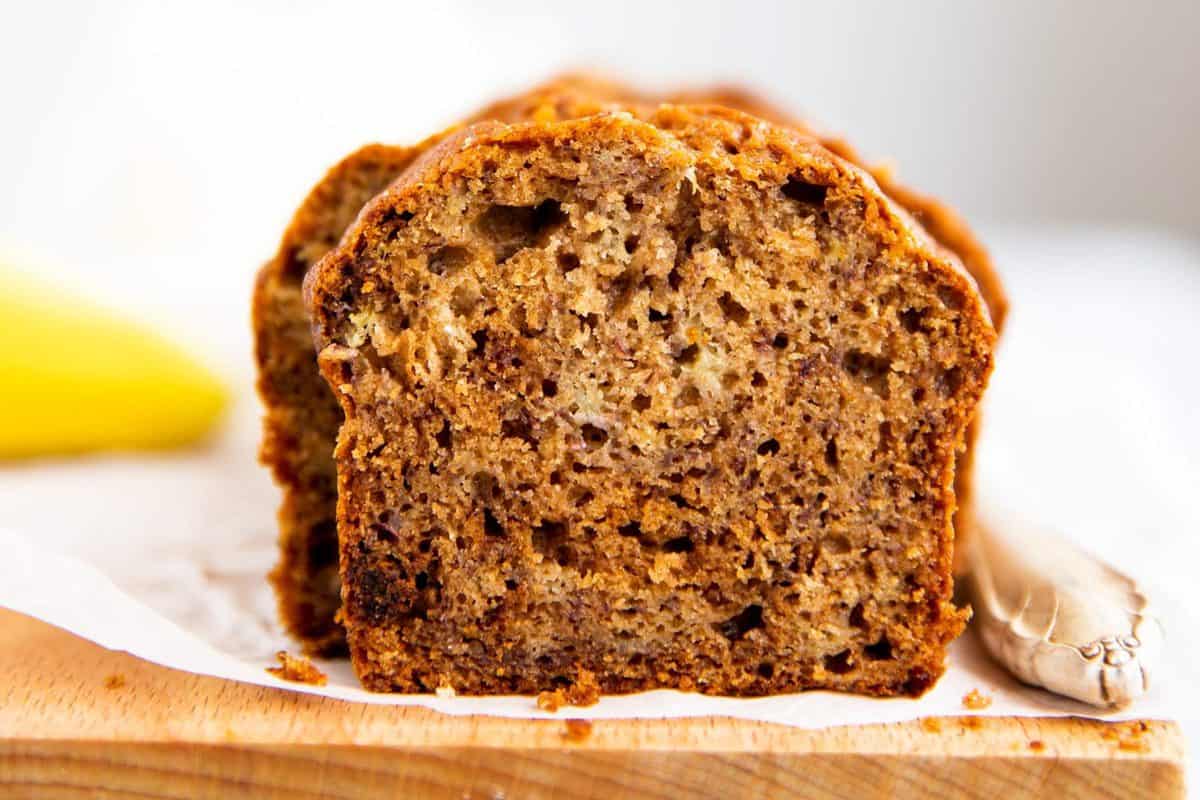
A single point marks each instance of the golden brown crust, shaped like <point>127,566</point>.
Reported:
<point>512,586</point>
<point>302,417</point>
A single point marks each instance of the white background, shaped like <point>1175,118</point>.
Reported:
<point>150,154</point>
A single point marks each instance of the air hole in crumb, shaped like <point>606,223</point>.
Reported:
<point>513,228</point>
<point>857,617</point>
<point>836,545</point>
<point>950,381</point>
<point>690,396</point>
<point>758,380</point>
<point>679,501</point>
<point>880,651</point>
<point>444,436</point>
<point>802,191</point>
<point>483,484</point>
<point>630,529</point>
<point>870,369</point>
<point>680,544</point>
<point>593,435</point>
<point>674,279</point>
<point>912,320</point>
<point>588,321</point>
<point>549,539</point>
<point>555,478</point>
<point>632,204</point>
<point>950,298</point>
<point>740,624</point>
<point>481,338</point>
<point>383,533</point>
<point>449,260</point>
<point>568,262</point>
<point>640,402</point>
<point>918,395</point>
<point>733,309</point>
<point>549,388</point>
<point>519,429</point>
<point>780,341</point>
<point>689,354</point>
<point>839,663</point>
<point>491,525</point>
<point>631,243</point>
<point>766,670</point>
<point>657,316</point>
<point>831,454</point>
<point>584,498</point>
<point>768,448</point>
<point>729,380</point>
<point>510,584</point>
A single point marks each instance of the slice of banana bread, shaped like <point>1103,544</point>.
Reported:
<point>302,416</point>
<point>673,401</point>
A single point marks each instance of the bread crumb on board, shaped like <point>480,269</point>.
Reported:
<point>114,681</point>
<point>1037,745</point>
<point>931,724</point>
<point>585,691</point>
<point>297,669</point>
<point>1127,735</point>
<point>577,730</point>
<point>976,700</point>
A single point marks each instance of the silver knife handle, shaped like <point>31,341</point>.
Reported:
<point>1061,619</point>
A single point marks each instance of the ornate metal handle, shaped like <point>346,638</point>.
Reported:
<point>1059,618</point>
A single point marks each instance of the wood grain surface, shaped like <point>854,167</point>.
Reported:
<point>80,721</point>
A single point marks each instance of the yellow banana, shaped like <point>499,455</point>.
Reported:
<point>76,378</point>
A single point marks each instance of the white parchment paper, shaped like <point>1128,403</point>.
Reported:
<point>165,556</point>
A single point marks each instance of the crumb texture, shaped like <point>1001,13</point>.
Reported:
<point>297,669</point>
<point>662,401</point>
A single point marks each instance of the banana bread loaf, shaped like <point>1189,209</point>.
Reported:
<point>673,401</point>
<point>302,416</point>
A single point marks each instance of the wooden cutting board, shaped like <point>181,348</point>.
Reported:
<point>77,720</point>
